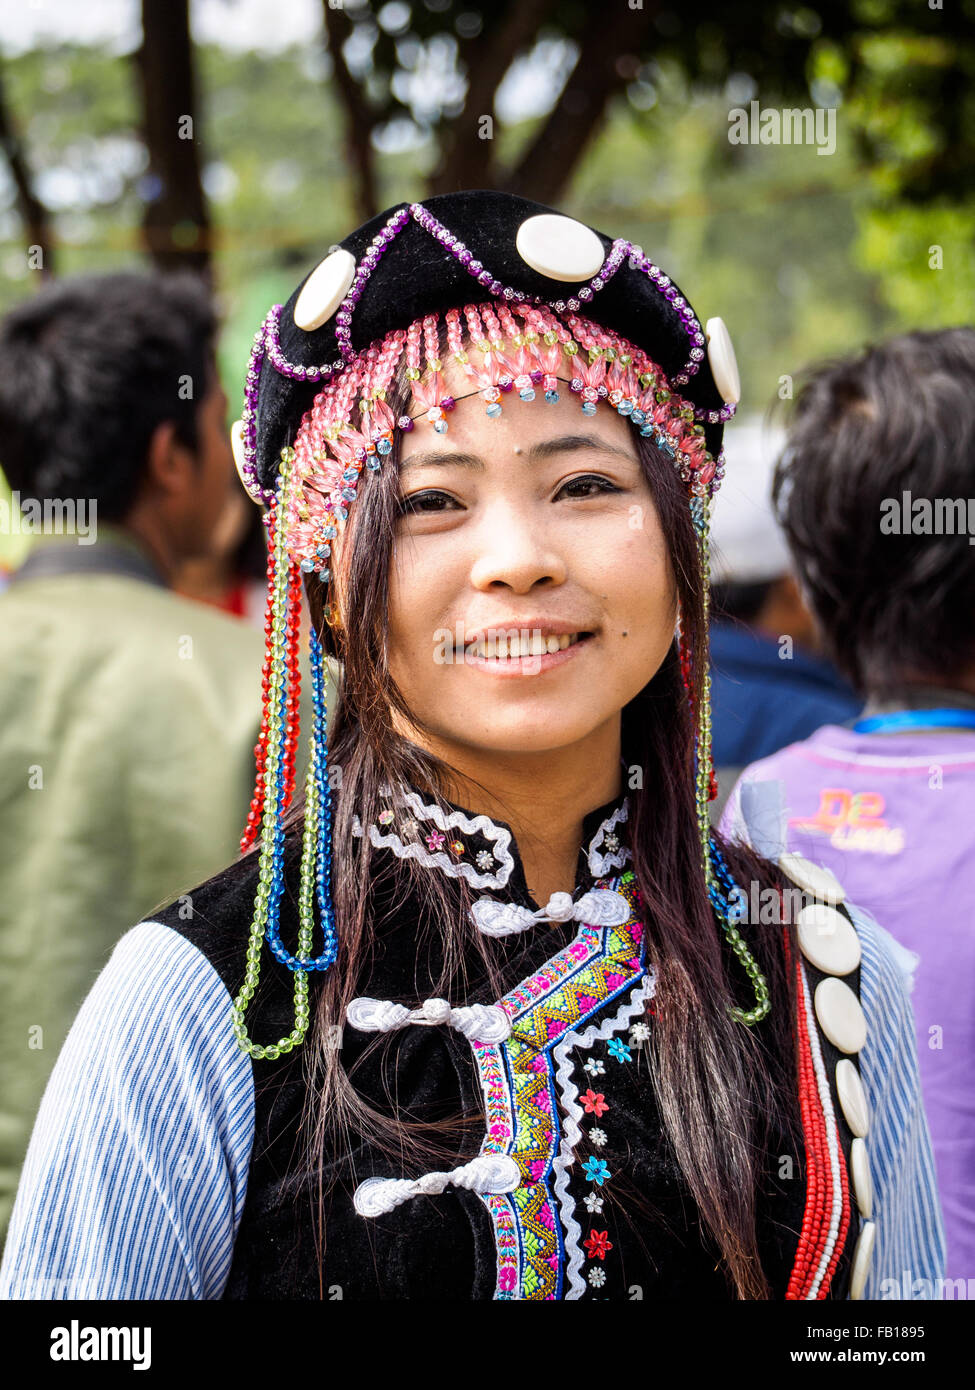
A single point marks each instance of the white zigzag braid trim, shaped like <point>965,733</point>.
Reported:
<point>499,837</point>
<point>600,864</point>
<point>572,1130</point>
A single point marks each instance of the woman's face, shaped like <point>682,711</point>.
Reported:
<point>537,525</point>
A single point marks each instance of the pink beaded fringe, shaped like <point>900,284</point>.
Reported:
<point>512,348</point>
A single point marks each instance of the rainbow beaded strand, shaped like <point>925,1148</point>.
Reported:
<point>316,843</point>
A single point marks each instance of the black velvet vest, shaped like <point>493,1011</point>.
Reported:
<point>602,1210</point>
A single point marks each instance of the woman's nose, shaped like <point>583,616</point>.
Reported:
<point>516,549</point>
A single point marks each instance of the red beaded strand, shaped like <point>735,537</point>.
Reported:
<point>820,1182</point>
<point>806,1249</point>
<point>256,812</point>
<point>686,677</point>
<point>815,1223</point>
<point>292,704</point>
<point>844,1225</point>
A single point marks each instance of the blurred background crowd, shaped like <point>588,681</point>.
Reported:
<point>169,169</point>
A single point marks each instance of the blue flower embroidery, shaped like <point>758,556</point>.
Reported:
<point>596,1170</point>
<point>619,1050</point>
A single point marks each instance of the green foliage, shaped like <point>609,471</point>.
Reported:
<point>802,255</point>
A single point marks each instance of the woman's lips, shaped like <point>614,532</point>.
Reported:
<point>535,665</point>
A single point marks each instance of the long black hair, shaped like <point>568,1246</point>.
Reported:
<point>718,1082</point>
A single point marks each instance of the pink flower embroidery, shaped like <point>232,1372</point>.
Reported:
<point>594,1103</point>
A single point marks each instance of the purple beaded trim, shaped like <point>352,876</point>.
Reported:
<point>263,496</point>
<point>281,364</point>
<point>343,319</point>
<point>714,417</point>
<point>495,287</point>
<point>687,316</point>
<point>267,344</point>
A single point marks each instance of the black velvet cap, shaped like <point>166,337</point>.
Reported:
<point>417,275</point>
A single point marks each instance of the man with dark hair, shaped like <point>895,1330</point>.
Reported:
<point>770,685</point>
<point>876,493</point>
<point>126,711</point>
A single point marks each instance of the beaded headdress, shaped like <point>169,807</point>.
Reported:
<point>401,297</point>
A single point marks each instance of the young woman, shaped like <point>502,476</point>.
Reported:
<point>517,1033</point>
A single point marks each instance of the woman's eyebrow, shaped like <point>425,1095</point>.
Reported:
<point>575,443</point>
<point>546,448</point>
<point>448,458</point>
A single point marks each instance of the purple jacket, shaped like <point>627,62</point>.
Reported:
<point>893,815</point>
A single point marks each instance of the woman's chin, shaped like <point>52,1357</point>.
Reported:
<point>546,731</point>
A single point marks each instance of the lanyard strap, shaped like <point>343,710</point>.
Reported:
<point>916,719</point>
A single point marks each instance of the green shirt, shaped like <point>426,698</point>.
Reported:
<point>128,718</point>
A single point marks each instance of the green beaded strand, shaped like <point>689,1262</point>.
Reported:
<point>277,678</point>
<point>702,791</point>
<point>763,1000</point>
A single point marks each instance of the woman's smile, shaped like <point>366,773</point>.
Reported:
<point>529,654</point>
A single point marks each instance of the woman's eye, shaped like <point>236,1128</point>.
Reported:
<point>431,503</point>
<point>416,503</point>
<point>603,484</point>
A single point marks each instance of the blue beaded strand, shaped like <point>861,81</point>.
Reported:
<point>723,873</point>
<point>324,817</point>
<point>272,924</point>
<point>323,855</point>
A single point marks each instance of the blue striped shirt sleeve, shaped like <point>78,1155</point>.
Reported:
<point>136,1174</point>
<point>910,1239</point>
<point>910,1243</point>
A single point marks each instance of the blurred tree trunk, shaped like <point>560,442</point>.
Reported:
<point>468,158</point>
<point>547,165</point>
<point>176,223</point>
<point>33,213</point>
<point>359,119</point>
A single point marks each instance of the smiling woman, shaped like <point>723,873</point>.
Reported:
<point>545,1054</point>
<point>560,541</point>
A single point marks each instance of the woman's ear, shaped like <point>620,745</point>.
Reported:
<point>335,610</point>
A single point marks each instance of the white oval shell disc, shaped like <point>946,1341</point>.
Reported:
<point>853,1102</point>
<point>559,247</point>
<point>821,883</point>
<point>840,1015</point>
<point>862,1256</point>
<point>324,290</point>
<point>724,363</point>
<point>237,449</point>
<point>827,939</point>
<point>237,445</point>
<point>862,1181</point>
